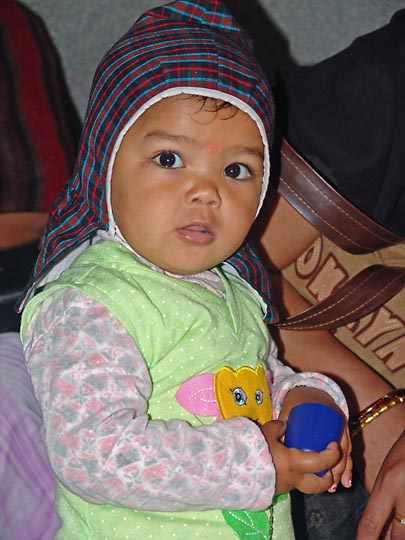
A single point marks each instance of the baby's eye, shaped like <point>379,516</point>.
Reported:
<point>168,160</point>
<point>237,171</point>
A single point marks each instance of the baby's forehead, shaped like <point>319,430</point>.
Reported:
<point>198,102</point>
<point>192,118</point>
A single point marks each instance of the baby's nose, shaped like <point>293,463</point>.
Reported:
<point>205,192</point>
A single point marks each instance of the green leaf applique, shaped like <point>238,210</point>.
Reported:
<point>249,525</point>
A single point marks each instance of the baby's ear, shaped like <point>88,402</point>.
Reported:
<point>197,396</point>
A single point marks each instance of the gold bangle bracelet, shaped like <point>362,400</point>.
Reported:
<point>380,406</point>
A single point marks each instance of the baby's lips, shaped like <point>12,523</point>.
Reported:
<point>198,234</point>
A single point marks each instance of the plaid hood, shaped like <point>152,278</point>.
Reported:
<point>190,46</point>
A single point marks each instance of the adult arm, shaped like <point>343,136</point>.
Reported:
<point>283,238</point>
<point>320,350</point>
<point>21,228</point>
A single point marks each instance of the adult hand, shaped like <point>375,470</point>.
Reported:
<point>387,498</point>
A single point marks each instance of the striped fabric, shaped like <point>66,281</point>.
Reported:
<point>39,126</point>
<point>27,484</point>
<point>249,265</point>
<point>192,43</point>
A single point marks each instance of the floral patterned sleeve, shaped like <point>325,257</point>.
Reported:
<point>284,379</point>
<point>93,387</point>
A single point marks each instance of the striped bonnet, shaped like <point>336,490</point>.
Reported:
<point>189,46</point>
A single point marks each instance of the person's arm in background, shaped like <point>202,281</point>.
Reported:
<point>386,496</point>
<point>283,238</point>
<point>21,228</point>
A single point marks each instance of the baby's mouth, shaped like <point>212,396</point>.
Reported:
<point>196,234</point>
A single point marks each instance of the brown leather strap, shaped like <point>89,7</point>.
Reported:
<point>321,205</point>
<point>362,294</point>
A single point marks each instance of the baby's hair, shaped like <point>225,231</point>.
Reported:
<point>214,104</point>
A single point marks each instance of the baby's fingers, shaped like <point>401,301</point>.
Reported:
<point>342,471</point>
<point>309,463</point>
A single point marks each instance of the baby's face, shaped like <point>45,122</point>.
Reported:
<point>186,183</point>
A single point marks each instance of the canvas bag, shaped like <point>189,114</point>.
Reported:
<point>379,337</point>
<point>343,169</point>
<point>360,296</point>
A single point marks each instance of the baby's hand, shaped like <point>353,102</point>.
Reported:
<point>296,469</point>
<point>341,469</point>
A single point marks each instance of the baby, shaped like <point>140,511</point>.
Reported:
<point>157,378</point>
